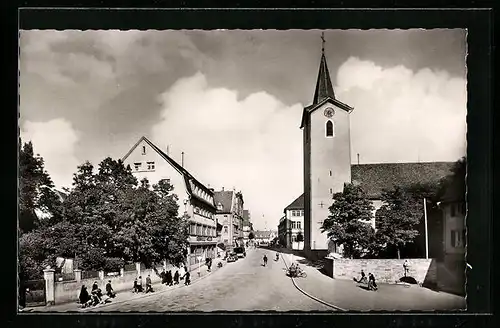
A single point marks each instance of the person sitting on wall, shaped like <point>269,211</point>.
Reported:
<point>362,279</point>
<point>109,290</point>
<point>84,297</point>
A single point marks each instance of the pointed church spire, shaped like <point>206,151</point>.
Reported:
<point>324,86</point>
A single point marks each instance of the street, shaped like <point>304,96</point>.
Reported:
<point>244,285</point>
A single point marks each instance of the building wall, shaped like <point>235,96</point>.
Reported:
<point>205,218</point>
<point>454,221</point>
<point>162,170</point>
<point>227,228</point>
<point>329,168</point>
<point>385,270</point>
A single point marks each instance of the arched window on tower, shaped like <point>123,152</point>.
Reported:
<point>329,129</point>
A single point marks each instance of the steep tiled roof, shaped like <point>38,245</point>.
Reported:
<point>187,176</point>
<point>374,178</point>
<point>297,204</point>
<point>225,198</point>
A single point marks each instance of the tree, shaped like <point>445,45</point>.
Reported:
<point>36,190</point>
<point>349,221</point>
<point>251,235</point>
<point>398,218</point>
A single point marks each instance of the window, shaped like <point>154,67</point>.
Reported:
<point>151,165</point>
<point>452,210</point>
<point>144,150</point>
<point>196,210</point>
<point>192,229</point>
<point>225,229</point>
<point>302,213</point>
<point>137,166</point>
<point>457,238</point>
<point>299,225</point>
<point>331,191</point>
<point>329,129</point>
<point>330,172</point>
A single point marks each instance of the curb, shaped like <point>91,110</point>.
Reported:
<point>309,295</point>
<point>147,295</point>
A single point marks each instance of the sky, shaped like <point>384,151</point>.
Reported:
<point>232,100</point>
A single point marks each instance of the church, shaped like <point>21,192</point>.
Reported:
<point>328,166</point>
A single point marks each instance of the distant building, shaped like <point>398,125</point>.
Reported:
<point>247,225</point>
<point>194,199</point>
<point>283,231</point>
<point>229,215</point>
<point>265,236</point>
<point>292,224</point>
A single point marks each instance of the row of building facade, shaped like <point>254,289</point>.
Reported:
<point>217,219</point>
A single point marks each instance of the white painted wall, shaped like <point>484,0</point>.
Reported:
<point>163,170</point>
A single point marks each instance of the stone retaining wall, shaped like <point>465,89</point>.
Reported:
<point>385,270</point>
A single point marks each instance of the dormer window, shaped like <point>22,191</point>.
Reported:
<point>143,150</point>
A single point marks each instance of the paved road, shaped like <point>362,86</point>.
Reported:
<point>245,285</point>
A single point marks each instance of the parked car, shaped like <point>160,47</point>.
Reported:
<point>240,251</point>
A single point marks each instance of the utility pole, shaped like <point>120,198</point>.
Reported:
<point>426,231</point>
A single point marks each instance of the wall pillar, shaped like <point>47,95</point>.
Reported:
<point>101,275</point>
<point>49,276</point>
<point>138,268</point>
<point>78,274</point>
<point>122,272</point>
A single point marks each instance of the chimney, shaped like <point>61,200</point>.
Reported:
<point>182,159</point>
<point>358,158</point>
<point>222,188</point>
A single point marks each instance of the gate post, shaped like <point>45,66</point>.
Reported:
<point>78,274</point>
<point>138,268</point>
<point>48,275</point>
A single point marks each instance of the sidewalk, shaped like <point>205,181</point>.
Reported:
<point>389,297</point>
<point>128,295</point>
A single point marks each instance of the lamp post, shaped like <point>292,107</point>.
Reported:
<point>426,231</point>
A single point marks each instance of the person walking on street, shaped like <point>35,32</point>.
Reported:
<point>149,287</point>
<point>265,260</point>
<point>187,279</point>
<point>372,285</point>
<point>176,277</point>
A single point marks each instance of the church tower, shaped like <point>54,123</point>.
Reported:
<point>327,158</point>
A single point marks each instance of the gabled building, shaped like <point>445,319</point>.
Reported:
<point>265,236</point>
<point>294,224</point>
<point>229,215</point>
<point>194,199</point>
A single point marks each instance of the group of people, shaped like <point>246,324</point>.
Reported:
<point>96,296</point>
<point>138,285</point>
<point>294,270</point>
<point>372,285</point>
<point>168,279</point>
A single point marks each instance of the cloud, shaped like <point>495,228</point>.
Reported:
<point>55,141</point>
<point>401,115</point>
<point>253,144</point>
